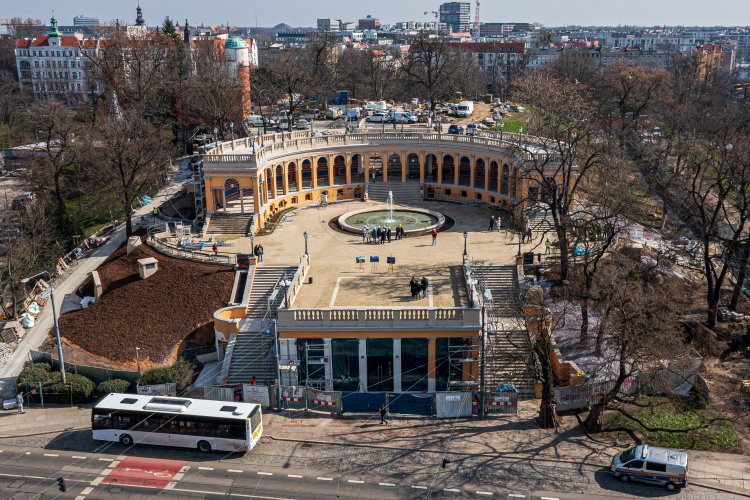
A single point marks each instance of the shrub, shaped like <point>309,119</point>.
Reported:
<point>33,372</point>
<point>83,388</point>
<point>109,386</point>
<point>180,373</point>
<point>634,275</point>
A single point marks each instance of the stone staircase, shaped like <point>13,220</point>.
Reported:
<point>540,221</point>
<point>403,192</point>
<point>507,349</point>
<point>230,224</point>
<point>253,351</point>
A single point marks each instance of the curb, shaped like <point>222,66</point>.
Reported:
<point>494,455</point>
<point>69,429</point>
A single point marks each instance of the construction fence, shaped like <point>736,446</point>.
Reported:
<point>96,375</point>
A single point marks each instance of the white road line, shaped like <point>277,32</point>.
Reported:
<point>96,481</point>
<point>419,487</point>
<point>292,475</point>
<point>205,468</point>
<point>80,497</point>
<point>18,475</point>
<point>455,490</point>
<point>50,455</point>
<point>484,493</point>
<point>266,473</point>
<point>550,498</point>
<point>335,292</point>
<point>325,479</point>
<point>87,490</point>
<point>234,470</point>
<point>386,484</point>
<point>75,456</point>
<point>28,453</point>
<point>106,459</point>
<point>358,482</point>
<point>515,495</point>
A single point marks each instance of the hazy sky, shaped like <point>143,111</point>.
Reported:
<point>306,12</point>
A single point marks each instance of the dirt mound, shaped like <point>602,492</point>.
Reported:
<point>155,314</point>
<point>704,340</point>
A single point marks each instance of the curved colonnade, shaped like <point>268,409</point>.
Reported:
<point>279,170</point>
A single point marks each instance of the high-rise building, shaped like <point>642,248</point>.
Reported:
<point>457,15</point>
<point>85,21</point>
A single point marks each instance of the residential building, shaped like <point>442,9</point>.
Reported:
<point>335,25</point>
<point>500,29</point>
<point>82,20</point>
<point>369,23</point>
<point>267,54</point>
<point>420,26</point>
<point>292,36</point>
<point>496,59</point>
<point>457,15</point>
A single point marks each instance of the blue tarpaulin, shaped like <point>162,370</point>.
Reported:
<point>362,402</point>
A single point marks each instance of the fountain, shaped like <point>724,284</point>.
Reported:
<point>389,207</point>
<point>412,220</point>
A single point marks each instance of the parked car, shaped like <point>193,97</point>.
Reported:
<point>378,117</point>
<point>472,129</point>
<point>651,465</point>
<point>415,101</point>
<point>303,124</point>
<point>404,117</point>
<point>456,129</point>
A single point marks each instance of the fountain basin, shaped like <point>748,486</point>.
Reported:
<point>413,220</point>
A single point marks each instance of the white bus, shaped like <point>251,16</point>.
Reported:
<point>190,423</point>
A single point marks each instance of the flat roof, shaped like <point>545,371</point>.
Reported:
<point>197,407</point>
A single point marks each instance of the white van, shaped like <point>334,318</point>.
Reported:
<point>465,108</point>
<point>404,117</point>
<point>256,120</point>
<point>652,465</point>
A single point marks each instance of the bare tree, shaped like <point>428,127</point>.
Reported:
<point>430,68</point>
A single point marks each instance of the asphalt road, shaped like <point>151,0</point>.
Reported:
<point>290,471</point>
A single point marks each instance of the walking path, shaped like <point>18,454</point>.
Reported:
<point>511,436</point>
<point>84,266</point>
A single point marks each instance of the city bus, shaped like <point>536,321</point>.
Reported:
<point>203,424</point>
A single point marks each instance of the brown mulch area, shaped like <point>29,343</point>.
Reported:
<point>156,314</point>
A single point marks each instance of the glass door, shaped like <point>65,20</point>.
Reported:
<point>379,365</point>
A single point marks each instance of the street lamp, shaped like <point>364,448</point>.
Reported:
<point>252,243</point>
<point>305,235</point>
<point>466,235</point>
<point>138,359</point>
<point>54,317</point>
<point>527,129</point>
<point>520,235</point>
<point>502,126</point>
<point>216,137</point>
<point>252,140</point>
<point>520,133</point>
<point>231,128</point>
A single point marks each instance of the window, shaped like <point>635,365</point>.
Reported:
<point>340,192</point>
<point>447,192</point>
<point>511,49</point>
<point>635,464</point>
<point>464,194</point>
<point>656,467</point>
<point>489,49</point>
<point>492,199</point>
<point>128,401</point>
<point>228,408</point>
<point>499,49</point>
<point>479,196</point>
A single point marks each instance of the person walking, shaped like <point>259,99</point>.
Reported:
<point>260,253</point>
<point>548,246</point>
<point>253,381</point>
<point>434,237</point>
<point>423,287</point>
<point>19,400</point>
<point>365,233</point>
<point>400,234</point>
<point>374,235</point>
<point>215,249</point>
<point>389,235</point>
<point>383,412</point>
<point>492,223</point>
<point>414,287</point>
<point>382,235</point>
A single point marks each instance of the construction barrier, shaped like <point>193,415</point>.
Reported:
<point>363,402</point>
<point>329,401</point>
<point>157,390</point>
<point>410,404</point>
<point>292,397</point>
<point>453,404</point>
<point>502,402</point>
<point>256,394</point>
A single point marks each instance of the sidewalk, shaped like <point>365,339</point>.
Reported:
<point>511,436</point>
<point>36,335</point>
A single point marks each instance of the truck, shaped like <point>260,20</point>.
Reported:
<point>465,108</point>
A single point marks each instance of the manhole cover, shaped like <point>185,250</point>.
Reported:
<point>115,490</point>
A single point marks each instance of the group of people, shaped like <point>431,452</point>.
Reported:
<point>258,250</point>
<point>527,237</point>
<point>381,234</point>
<point>495,223</point>
<point>418,288</point>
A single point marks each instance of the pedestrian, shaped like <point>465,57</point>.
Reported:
<point>400,234</point>
<point>414,287</point>
<point>492,223</point>
<point>528,235</point>
<point>383,412</point>
<point>548,246</point>
<point>215,249</point>
<point>374,235</point>
<point>19,400</point>
<point>423,287</point>
<point>434,237</point>
<point>253,381</point>
<point>260,253</point>
<point>382,235</point>
<point>365,232</point>
<point>389,235</point>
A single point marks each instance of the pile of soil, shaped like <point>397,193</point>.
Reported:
<point>155,314</point>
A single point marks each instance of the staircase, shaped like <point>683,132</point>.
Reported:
<point>540,221</point>
<point>230,224</point>
<point>403,192</point>
<point>507,349</point>
<point>253,352</point>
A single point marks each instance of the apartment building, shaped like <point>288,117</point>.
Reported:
<point>500,29</point>
<point>496,59</point>
<point>457,15</point>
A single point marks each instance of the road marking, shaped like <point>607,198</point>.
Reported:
<point>455,490</point>
<point>293,475</point>
<point>205,468</point>
<point>266,473</point>
<point>484,493</point>
<point>106,459</point>
<point>87,490</point>
<point>28,453</point>
<point>358,482</point>
<point>515,495</point>
<point>387,484</point>
<point>419,487</point>
<point>233,470</point>
<point>74,456</point>
<point>80,497</point>
<point>325,479</point>
<point>18,475</point>
<point>96,481</point>
<point>50,455</point>
<point>550,498</point>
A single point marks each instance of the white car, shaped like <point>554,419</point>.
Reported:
<point>378,117</point>
<point>303,124</point>
<point>472,129</point>
<point>415,101</point>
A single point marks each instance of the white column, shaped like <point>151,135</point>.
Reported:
<point>397,365</point>
<point>327,353</point>
<point>363,364</point>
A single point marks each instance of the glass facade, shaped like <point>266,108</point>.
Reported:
<point>414,367</point>
<point>345,353</point>
<point>379,365</point>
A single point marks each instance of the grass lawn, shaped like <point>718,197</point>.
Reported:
<point>512,125</point>
<point>719,436</point>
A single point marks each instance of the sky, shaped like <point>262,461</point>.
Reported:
<point>306,12</point>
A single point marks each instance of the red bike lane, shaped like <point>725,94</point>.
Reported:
<point>152,472</point>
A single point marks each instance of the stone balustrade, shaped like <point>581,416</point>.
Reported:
<point>379,317</point>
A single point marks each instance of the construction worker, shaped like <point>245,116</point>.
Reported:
<point>548,246</point>
<point>156,212</point>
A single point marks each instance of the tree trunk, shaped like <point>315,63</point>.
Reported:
<point>564,261</point>
<point>665,209</point>
<point>584,341</point>
<point>713,312</point>
<point>744,260</point>
<point>595,421</point>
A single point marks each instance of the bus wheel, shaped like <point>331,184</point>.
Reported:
<point>126,440</point>
<point>204,447</point>
<point>624,478</point>
<point>671,486</point>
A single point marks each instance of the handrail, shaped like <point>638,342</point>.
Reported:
<point>181,253</point>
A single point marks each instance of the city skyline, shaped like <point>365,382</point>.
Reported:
<point>303,14</point>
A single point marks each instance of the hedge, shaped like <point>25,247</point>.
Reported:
<point>109,386</point>
<point>83,389</point>
<point>33,372</point>
<point>180,373</point>
<point>54,390</point>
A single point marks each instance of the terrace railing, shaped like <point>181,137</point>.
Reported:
<point>379,317</point>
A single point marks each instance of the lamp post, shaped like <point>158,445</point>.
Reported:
<point>216,137</point>
<point>527,129</point>
<point>520,133</point>
<point>252,243</point>
<point>138,360</point>
<point>466,235</point>
<point>252,140</point>
<point>54,317</point>
<point>231,128</point>
<point>305,235</point>
<point>520,235</point>
<point>502,126</point>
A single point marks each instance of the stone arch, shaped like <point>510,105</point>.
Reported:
<point>430,166</point>
<point>395,166</point>
<point>506,179</point>
<point>357,168</point>
<point>464,171</point>
<point>306,174</point>
<point>291,175</point>
<point>322,170</point>
<point>232,197</point>
<point>480,173</point>
<point>412,169</point>
<point>449,169</point>
<point>375,161</point>
<point>279,174</point>
<point>339,170</point>
<point>269,186</point>
<point>494,176</point>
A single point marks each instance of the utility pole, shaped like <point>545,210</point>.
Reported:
<point>278,370</point>
<point>481,367</point>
